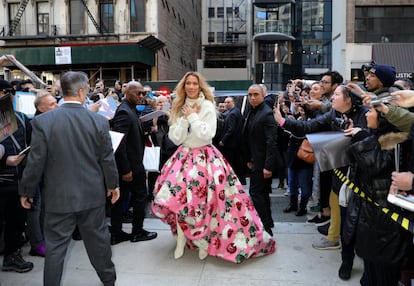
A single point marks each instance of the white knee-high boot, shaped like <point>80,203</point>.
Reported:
<point>202,254</point>
<point>181,239</point>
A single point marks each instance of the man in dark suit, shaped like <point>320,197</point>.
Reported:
<point>71,150</point>
<point>261,153</point>
<point>229,143</point>
<point>132,176</point>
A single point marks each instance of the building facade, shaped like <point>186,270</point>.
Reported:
<point>376,30</point>
<point>284,39</point>
<point>226,40</point>
<point>109,39</point>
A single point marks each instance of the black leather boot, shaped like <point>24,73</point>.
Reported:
<point>293,205</point>
<point>302,207</point>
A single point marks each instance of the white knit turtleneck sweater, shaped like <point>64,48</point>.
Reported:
<point>199,128</point>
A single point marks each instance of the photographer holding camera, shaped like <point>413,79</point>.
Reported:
<point>379,82</point>
<point>344,108</point>
<point>384,96</point>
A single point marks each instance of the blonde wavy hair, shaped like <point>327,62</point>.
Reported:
<point>180,97</point>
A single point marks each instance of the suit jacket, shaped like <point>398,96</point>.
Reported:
<point>260,137</point>
<point>233,124</point>
<point>130,152</point>
<point>71,149</point>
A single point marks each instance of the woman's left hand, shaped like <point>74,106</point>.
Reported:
<point>189,109</point>
<point>352,131</point>
<point>402,181</point>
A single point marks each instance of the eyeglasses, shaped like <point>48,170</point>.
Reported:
<point>138,92</point>
<point>325,82</point>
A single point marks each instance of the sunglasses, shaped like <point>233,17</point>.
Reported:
<point>140,92</point>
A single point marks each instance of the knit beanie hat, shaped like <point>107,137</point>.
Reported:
<point>386,74</point>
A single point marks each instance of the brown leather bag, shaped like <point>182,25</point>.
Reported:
<point>305,152</point>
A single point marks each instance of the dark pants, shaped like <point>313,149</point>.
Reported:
<point>282,171</point>
<point>348,249</point>
<point>380,274</point>
<point>234,158</point>
<point>58,229</point>
<point>35,218</point>
<point>259,192</point>
<point>139,199</point>
<point>152,178</point>
<point>325,186</point>
<point>14,216</point>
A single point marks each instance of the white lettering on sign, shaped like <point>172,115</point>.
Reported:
<point>405,75</point>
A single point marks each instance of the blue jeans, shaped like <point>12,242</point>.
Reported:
<point>300,178</point>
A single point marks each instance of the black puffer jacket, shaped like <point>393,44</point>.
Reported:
<point>377,237</point>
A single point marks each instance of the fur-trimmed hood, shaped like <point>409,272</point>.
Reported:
<point>390,140</point>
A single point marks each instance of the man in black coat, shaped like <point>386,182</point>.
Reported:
<point>261,153</point>
<point>229,143</point>
<point>129,156</point>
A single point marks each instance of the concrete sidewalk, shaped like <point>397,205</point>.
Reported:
<point>152,263</point>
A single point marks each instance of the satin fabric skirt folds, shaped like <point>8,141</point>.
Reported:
<point>198,189</point>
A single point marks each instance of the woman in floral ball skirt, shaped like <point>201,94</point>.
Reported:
<point>197,192</point>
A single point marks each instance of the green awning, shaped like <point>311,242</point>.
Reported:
<point>92,54</point>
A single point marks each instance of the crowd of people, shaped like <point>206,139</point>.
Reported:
<point>209,151</point>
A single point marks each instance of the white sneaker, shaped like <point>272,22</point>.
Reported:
<point>325,244</point>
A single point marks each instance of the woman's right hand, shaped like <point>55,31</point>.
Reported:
<point>276,112</point>
<point>355,88</point>
<point>403,98</point>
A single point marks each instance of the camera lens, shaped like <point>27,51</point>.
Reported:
<point>341,123</point>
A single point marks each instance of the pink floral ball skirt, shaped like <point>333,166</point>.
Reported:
<point>198,189</point>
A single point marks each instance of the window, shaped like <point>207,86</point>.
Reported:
<point>220,37</point>
<point>220,12</point>
<point>211,13</point>
<point>137,10</point>
<point>43,18</point>
<point>211,37</point>
<point>77,11</point>
<point>229,12</point>
<point>382,24</point>
<point>313,16</point>
<point>13,8</point>
<point>225,57</point>
<point>274,52</point>
<point>229,37</point>
<point>106,13</point>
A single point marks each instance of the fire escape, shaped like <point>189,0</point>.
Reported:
<point>16,19</point>
<point>102,29</point>
<point>228,47</point>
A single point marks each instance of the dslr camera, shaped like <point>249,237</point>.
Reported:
<point>341,123</point>
<point>386,99</point>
